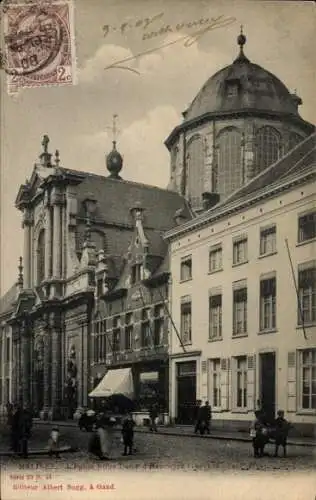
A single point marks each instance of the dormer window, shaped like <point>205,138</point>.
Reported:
<point>232,88</point>
<point>136,273</point>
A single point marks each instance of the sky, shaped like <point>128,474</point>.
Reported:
<point>148,98</point>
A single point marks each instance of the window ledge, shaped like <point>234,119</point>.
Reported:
<point>306,412</point>
<point>268,330</point>
<point>306,325</point>
<point>305,242</point>
<point>240,263</point>
<point>262,256</point>
<point>185,280</point>
<point>240,410</point>
<point>215,271</point>
<point>217,339</point>
<point>239,335</point>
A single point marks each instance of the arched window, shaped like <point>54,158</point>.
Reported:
<point>229,172</point>
<point>41,257</point>
<point>267,148</point>
<point>195,170</point>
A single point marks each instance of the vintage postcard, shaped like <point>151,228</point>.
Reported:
<point>158,230</point>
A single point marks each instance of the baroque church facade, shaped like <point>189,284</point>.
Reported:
<point>95,289</point>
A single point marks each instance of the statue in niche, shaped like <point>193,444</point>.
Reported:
<point>71,382</point>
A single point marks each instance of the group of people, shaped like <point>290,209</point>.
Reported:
<point>261,433</point>
<point>102,440</point>
<point>203,418</point>
<point>20,423</point>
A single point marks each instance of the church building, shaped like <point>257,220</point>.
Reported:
<point>204,290</point>
<point>243,271</point>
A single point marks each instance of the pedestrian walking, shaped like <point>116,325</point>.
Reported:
<point>281,433</point>
<point>128,434</point>
<point>102,439</point>
<point>25,429</point>
<point>198,416</point>
<point>53,443</point>
<point>205,416</point>
<point>153,415</point>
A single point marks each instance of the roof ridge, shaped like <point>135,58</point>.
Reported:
<point>141,184</point>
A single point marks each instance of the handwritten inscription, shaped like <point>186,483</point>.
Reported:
<point>199,26</point>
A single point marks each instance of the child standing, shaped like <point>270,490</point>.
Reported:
<point>128,434</point>
<point>281,432</point>
<point>53,443</point>
<point>257,434</point>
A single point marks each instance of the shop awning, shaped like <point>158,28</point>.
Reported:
<point>119,381</point>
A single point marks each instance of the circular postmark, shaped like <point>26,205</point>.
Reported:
<point>34,39</point>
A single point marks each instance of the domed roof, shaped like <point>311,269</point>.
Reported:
<point>241,86</point>
<point>114,162</point>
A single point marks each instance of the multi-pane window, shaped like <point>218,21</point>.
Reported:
<point>308,379</point>
<point>215,258</point>
<point>230,175</point>
<point>307,295</point>
<point>159,322</point>
<point>186,321</point>
<point>195,168</point>
<point>268,304</point>
<point>215,316</point>
<point>240,311</point>
<point>215,383</point>
<point>136,274</point>
<point>99,334</point>
<point>186,269</point>
<point>267,148</point>
<point>241,382</point>
<point>307,227</point>
<point>268,240</point>
<point>116,339</point>
<point>128,338</point>
<point>145,328</point>
<point>240,251</point>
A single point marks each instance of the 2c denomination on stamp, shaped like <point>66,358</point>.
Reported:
<point>39,44</point>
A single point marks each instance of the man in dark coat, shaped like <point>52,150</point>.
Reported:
<point>153,414</point>
<point>206,415</point>
<point>25,426</point>
<point>197,415</point>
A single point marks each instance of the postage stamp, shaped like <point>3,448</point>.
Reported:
<point>39,45</point>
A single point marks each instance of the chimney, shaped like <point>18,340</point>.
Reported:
<point>210,200</point>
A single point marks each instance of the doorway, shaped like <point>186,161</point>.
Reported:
<point>186,392</point>
<point>267,385</point>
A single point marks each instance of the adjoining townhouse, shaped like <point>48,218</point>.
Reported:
<point>244,300</point>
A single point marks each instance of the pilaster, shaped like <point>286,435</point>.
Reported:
<point>57,203</point>
<point>26,362</point>
<point>47,371</point>
<point>56,395</point>
<point>48,237</point>
<point>27,226</point>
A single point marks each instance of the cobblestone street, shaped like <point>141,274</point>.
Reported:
<point>161,451</point>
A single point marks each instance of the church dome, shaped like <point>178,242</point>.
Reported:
<point>243,86</point>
